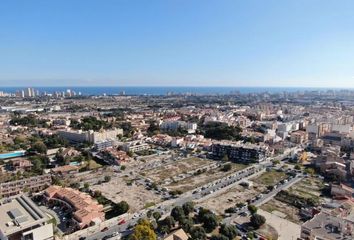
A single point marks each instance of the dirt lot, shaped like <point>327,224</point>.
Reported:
<point>195,181</point>
<point>269,178</point>
<point>237,194</point>
<point>282,210</point>
<point>117,190</point>
<point>164,172</point>
<point>308,187</point>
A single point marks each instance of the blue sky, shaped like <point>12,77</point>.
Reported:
<point>177,43</point>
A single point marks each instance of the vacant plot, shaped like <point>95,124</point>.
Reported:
<point>230,198</point>
<point>201,179</point>
<point>118,190</point>
<point>282,210</point>
<point>310,187</point>
<point>268,231</point>
<point>270,178</point>
<point>286,230</point>
<point>184,166</point>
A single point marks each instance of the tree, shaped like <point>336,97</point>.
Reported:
<point>156,216</point>
<point>39,147</point>
<point>130,153</point>
<point>257,220</point>
<point>198,233</point>
<point>75,185</point>
<point>221,131</point>
<point>166,224</point>
<point>226,167</point>
<point>188,208</point>
<point>187,224</point>
<point>310,171</point>
<point>149,213</point>
<point>210,222</point>
<point>230,210</point>
<point>153,128</point>
<point>253,209</point>
<point>229,231</point>
<point>121,207</point>
<point>86,185</point>
<point>297,167</point>
<point>123,167</point>
<point>276,162</point>
<point>177,213</point>
<point>107,178</point>
<point>201,214</point>
<point>220,237</point>
<point>39,162</point>
<point>143,231</point>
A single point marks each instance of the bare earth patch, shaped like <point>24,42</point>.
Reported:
<point>136,196</point>
<point>199,180</point>
<point>237,194</point>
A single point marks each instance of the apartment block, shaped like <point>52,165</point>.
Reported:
<point>240,153</point>
<point>32,184</point>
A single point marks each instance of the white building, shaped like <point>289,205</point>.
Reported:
<point>20,218</point>
<point>91,136</point>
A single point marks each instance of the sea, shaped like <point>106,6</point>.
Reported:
<point>163,90</point>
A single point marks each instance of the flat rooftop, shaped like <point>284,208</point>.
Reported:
<point>19,213</point>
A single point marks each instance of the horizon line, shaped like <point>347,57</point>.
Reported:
<point>174,86</point>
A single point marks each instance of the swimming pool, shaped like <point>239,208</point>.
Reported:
<point>12,154</point>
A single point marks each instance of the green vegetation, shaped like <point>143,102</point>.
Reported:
<point>143,231</point>
<point>38,147</point>
<point>296,200</point>
<point>90,123</point>
<point>270,178</point>
<point>196,225</point>
<point>39,163</point>
<point>221,131</point>
<point>178,213</point>
<point>128,129</point>
<point>156,216</point>
<point>121,208</point>
<point>153,128</point>
<point>253,209</point>
<point>226,167</point>
<point>228,231</point>
<point>149,204</point>
<point>188,208</point>
<point>257,220</point>
<point>198,233</point>
<point>145,152</point>
<point>29,121</point>
<point>107,178</point>
<point>55,141</point>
